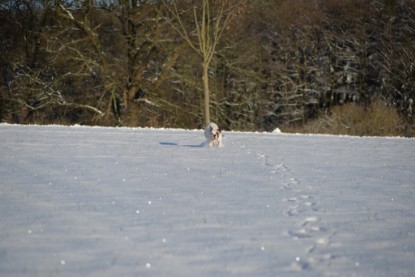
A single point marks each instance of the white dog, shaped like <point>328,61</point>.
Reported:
<point>213,135</point>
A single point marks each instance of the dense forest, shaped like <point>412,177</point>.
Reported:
<point>336,66</point>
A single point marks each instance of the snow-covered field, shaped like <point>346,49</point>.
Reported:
<point>77,201</point>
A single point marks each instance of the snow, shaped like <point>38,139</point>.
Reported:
<point>83,201</point>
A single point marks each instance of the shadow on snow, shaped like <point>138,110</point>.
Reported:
<point>165,143</point>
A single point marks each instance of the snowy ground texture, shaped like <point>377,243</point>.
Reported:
<point>78,201</point>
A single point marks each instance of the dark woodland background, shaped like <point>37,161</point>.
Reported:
<point>316,66</point>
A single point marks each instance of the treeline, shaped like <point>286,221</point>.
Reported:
<point>279,63</point>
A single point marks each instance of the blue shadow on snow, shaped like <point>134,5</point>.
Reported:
<point>165,143</point>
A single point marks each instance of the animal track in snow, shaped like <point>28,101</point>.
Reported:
<point>309,229</point>
<point>302,206</point>
<point>294,210</point>
<point>299,234</point>
<point>312,231</point>
<point>300,264</point>
<point>294,181</point>
<point>276,167</point>
<point>280,168</point>
<point>264,158</point>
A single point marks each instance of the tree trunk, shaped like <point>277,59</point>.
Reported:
<point>131,106</point>
<point>206,93</point>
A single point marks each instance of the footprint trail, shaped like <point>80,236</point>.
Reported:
<point>302,206</point>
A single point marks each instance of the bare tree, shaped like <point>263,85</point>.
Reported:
<point>151,54</point>
<point>38,66</point>
<point>91,35</point>
<point>211,20</point>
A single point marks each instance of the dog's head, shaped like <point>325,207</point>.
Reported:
<point>214,131</point>
<point>213,135</point>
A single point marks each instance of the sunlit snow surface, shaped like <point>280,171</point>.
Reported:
<point>77,201</point>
